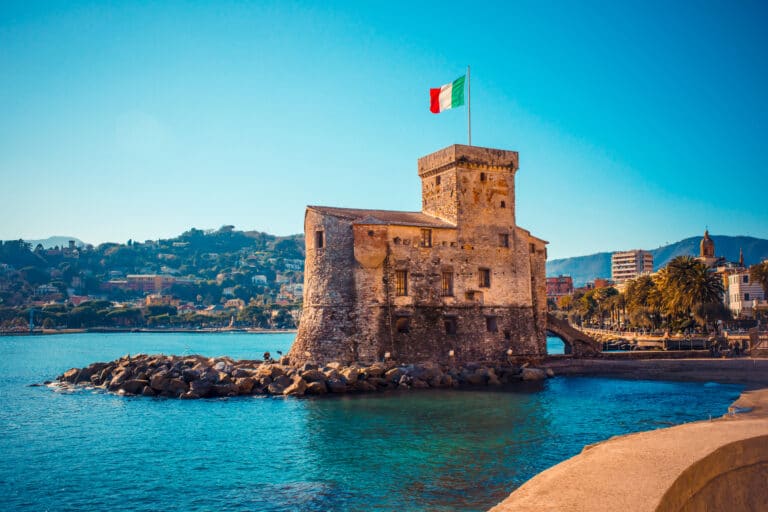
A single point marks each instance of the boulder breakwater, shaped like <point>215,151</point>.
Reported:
<point>195,376</point>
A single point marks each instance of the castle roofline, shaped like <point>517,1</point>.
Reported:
<point>528,233</point>
<point>383,217</point>
<point>468,156</point>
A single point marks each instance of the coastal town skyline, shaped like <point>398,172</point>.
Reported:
<point>141,121</point>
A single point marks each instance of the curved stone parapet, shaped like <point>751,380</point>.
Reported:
<point>708,465</point>
<point>577,343</point>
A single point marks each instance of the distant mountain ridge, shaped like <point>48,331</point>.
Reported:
<point>53,241</point>
<point>586,268</point>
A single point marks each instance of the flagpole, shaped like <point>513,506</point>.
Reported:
<point>469,108</point>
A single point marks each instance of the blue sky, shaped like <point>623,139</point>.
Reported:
<point>637,123</point>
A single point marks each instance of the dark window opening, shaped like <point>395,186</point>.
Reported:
<point>532,248</point>
<point>746,296</point>
<point>370,232</point>
<point>507,334</point>
<point>450,325</point>
<point>426,238</point>
<point>503,204</point>
<point>397,240</point>
<point>437,180</point>
<point>401,283</point>
<point>447,284</point>
<point>319,239</point>
<point>746,279</point>
<point>482,176</point>
<point>490,324</point>
<point>403,324</point>
<point>484,280</point>
<point>503,240</point>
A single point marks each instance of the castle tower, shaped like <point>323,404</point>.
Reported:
<point>469,184</point>
<point>707,246</point>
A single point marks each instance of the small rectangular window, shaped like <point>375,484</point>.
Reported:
<point>490,324</point>
<point>401,283</point>
<point>746,279</point>
<point>484,278</point>
<point>503,240</point>
<point>450,325</point>
<point>319,239</point>
<point>532,248</point>
<point>746,296</point>
<point>403,324</point>
<point>437,180</point>
<point>426,238</point>
<point>447,284</point>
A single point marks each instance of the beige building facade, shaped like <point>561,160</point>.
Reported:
<point>458,281</point>
<point>628,265</point>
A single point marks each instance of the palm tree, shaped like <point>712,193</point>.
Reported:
<point>685,284</point>
<point>705,314</point>
<point>643,302</point>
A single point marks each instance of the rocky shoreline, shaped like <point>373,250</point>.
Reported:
<point>195,376</point>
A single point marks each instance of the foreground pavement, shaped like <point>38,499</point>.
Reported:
<point>721,464</point>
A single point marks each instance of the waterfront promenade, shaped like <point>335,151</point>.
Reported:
<point>720,464</point>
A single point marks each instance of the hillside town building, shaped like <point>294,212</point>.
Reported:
<point>743,294</point>
<point>458,281</point>
<point>628,265</point>
<point>559,286</point>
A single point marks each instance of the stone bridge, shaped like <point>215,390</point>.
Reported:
<point>576,342</point>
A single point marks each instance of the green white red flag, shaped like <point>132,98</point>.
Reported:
<point>448,96</point>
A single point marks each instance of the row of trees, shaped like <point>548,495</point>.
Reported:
<point>682,295</point>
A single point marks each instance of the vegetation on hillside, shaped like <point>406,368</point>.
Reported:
<point>86,286</point>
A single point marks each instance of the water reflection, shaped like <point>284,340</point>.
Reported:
<point>442,450</point>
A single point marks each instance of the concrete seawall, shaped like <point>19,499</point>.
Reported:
<point>720,464</point>
<point>748,371</point>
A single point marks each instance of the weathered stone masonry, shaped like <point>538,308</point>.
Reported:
<point>458,281</point>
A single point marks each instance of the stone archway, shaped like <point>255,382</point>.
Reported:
<point>576,342</point>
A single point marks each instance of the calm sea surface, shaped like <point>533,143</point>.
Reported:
<point>426,450</point>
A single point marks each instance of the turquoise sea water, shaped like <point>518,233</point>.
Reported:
<point>419,450</point>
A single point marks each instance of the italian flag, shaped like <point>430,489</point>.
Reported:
<point>448,96</point>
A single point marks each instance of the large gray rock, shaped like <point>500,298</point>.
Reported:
<point>134,386</point>
<point>297,388</point>
<point>188,374</point>
<point>534,374</point>
<point>176,387</point>
<point>375,370</point>
<point>350,375</point>
<point>316,388</point>
<point>224,390</point>
<point>200,387</point>
<point>159,381</point>
<point>394,375</point>
<point>337,386</point>
<point>244,385</point>
<point>313,375</point>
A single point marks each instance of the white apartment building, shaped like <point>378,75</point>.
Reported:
<point>742,294</point>
<point>627,265</point>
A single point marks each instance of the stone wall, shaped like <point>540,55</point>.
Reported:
<point>329,318</point>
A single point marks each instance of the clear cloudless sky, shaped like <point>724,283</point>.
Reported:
<point>638,123</point>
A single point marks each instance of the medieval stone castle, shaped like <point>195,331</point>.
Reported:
<point>457,282</point>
